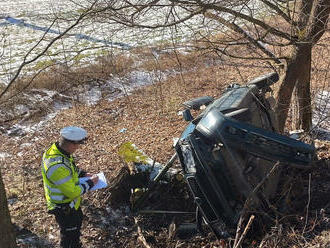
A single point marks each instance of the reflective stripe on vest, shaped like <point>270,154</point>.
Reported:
<point>50,161</point>
<point>57,197</point>
<point>54,190</point>
<point>73,203</point>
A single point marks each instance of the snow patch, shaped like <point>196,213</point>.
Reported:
<point>91,95</point>
<point>124,86</point>
<point>321,116</point>
<point>4,155</point>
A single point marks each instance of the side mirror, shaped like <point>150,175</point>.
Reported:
<point>198,102</point>
<point>187,115</point>
<point>265,81</point>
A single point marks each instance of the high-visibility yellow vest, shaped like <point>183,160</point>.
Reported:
<point>60,177</point>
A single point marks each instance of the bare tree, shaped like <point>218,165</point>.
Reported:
<point>280,31</point>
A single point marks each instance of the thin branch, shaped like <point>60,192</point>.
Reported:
<point>272,30</point>
<point>308,203</point>
<point>248,201</point>
<point>321,17</point>
<point>131,23</point>
<point>245,231</point>
<point>278,10</point>
<point>27,85</point>
<point>238,29</point>
<point>141,237</point>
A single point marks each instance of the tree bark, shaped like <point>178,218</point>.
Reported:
<point>297,74</point>
<point>7,235</point>
<point>304,120</point>
<point>313,20</point>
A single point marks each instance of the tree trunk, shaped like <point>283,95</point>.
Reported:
<point>297,74</point>
<point>313,21</point>
<point>304,94</point>
<point>7,235</point>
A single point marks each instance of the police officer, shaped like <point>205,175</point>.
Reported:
<point>62,187</point>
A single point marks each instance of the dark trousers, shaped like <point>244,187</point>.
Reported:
<point>69,221</point>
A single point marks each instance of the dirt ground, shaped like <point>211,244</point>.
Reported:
<point>150,119</point>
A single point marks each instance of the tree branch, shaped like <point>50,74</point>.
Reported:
<point>278,11</point>
<point>321,17</point>
<point>238,29</point>
<point>131,23</point>
<point>270,29</point>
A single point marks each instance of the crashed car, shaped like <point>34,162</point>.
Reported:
<point>230,147</point>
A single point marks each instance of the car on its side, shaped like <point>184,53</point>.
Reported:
<point>230,147</point>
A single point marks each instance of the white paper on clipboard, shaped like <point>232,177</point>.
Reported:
<point>102,182</point>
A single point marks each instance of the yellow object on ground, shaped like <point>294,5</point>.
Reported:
<point>130,153</point>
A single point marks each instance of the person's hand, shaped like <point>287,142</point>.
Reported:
<point>95,179</point>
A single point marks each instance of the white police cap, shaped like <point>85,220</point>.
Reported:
<point>74,134</point>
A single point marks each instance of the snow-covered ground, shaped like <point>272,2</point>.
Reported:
<point>321,115</point>
<point>24,23</point>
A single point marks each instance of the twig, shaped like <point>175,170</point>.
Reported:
<point>245,231</point>
<point>179,244</point>
<point>141,237</point>
<point>239,229</point>
<point>308,203</point>
<point>247,203</point>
